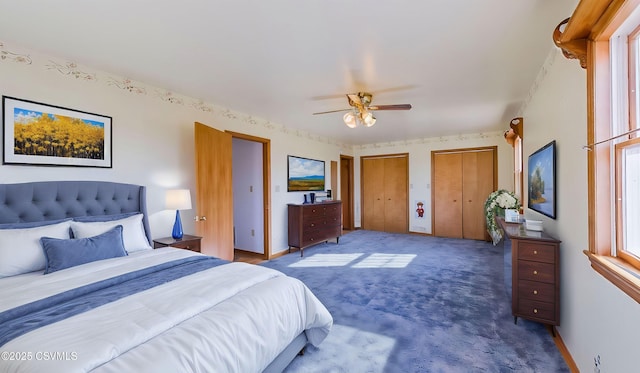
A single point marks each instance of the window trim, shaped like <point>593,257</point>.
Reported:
<point>586,37</point>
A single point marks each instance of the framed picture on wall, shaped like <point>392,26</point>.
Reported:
<point>542,180</point>
<point>304,174</point>
<point>39,134</point>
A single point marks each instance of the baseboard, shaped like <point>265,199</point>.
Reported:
<point>564,351</point>
<point>250,253</point>
<point>279,254</point>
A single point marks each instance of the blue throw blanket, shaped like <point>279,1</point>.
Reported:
<point>23,319</point>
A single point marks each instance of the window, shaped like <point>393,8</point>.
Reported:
<point>517,168</point>
<point>625,165</point>
<point>605,36</point>
<point>514,138</point>
<point>628,201</point>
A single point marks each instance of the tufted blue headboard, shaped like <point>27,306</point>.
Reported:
<point>53,200</point>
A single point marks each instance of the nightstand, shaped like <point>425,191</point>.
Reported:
<point>187,242</point>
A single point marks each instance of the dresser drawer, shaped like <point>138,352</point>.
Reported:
<point>311,237</point>
<point>535,290</point>
<point>536,251</point>
<point>536,271</point>
<point>537,310</point>
<point>309,212</point>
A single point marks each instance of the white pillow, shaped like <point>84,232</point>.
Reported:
<point>132,231</point>
<point>21,250</point>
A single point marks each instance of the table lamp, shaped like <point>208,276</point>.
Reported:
<point>178,199</point>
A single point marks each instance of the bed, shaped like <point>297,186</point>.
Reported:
<point>81,290</point>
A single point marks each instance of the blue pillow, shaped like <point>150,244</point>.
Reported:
<point>63,254</point>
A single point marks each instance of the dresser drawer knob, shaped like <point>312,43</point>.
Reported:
<point>535,252</point>
<point>313,224</point>
<point>535,292</point>
<point>535,272</point>
<point>535,310</point>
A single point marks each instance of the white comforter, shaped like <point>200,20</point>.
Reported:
<point>233,318</point>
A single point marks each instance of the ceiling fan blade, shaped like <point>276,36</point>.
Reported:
<point>390,107</point>
<point>331,111</point>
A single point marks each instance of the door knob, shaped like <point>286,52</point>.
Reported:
<point>200,218</point>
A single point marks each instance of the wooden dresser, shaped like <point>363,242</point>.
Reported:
<point>535,274</point>
<point>313,223</point>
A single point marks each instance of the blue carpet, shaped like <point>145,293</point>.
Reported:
<point>412,303</point>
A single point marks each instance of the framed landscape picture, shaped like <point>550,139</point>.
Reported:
<point>542,180</point>
<point>304,174</point>
<point>39,134</point>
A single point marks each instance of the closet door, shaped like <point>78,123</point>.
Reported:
<point>477,184</point>
<point>385,193</point>
<point>395,194</point>
<point>447,194</point>
<point>462,181</point>
<point>373,210</point>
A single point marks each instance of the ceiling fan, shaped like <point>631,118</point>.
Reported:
<point>361,109</point>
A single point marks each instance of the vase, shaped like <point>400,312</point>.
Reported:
<point>177,227</point>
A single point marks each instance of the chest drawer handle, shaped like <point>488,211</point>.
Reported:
<point>187,247</point>
<point>535,272</point>
<point>313,224</point>
<point>535,310</point>
<point>535,292</point>
<point>535,252</point>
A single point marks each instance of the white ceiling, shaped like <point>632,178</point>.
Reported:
<point>466,66</point>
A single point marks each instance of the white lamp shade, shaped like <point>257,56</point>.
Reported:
<point>178,199</point>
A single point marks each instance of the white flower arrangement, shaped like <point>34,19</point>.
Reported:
<point>498,201</point>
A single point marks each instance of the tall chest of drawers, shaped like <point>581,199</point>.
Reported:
<point>535,260</point>
<point>314,223</point>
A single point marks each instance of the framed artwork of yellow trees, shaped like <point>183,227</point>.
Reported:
<point>39,134</point>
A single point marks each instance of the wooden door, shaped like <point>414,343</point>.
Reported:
<point>478,183</point>
<point>447,194</point>
<point>346,191</point>
<point>373,194</point>
<point>395,195</point>
<point>214,191</point>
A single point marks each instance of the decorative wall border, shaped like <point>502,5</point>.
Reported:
<point>432,140</point>
<point>15,57</point>
<point>542,74</point>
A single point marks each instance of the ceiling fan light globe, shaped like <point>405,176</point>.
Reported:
<point>368,119</point>
<point>350,120</point>
<point>371,123</point>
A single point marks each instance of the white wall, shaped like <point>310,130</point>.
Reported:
<point>596,317</point>
<point>152,135</point>
<point>420,168</point>
<point>248,197</point>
